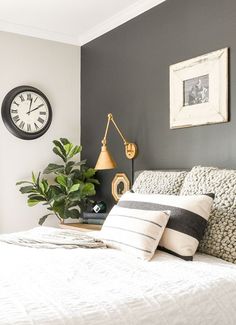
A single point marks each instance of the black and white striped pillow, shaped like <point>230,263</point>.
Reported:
<point>187,222</point>
<point>135,231</point>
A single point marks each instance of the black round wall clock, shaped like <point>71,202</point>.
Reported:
<point>26,112</point>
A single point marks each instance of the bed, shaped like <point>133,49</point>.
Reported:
<point>107,286</point>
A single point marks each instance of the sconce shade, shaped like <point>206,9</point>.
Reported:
<point>105,160</point>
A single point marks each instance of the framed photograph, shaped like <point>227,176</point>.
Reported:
<point>120,185</point>
<point>199,90</point>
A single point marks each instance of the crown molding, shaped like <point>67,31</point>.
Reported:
<point>6,26</point>
<point>116,20</point>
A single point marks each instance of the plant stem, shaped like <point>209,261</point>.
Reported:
<point>58,217</point>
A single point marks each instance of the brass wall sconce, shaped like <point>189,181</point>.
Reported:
<point>105,160</point>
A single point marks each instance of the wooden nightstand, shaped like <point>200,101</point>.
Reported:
<point>81,226</point>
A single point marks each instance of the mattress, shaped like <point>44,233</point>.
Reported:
<point>106,286</point>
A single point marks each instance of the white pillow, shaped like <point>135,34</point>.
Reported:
<point>134,231</point>
<point>187,222</point>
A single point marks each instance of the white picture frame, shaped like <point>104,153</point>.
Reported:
<point>199,90</point>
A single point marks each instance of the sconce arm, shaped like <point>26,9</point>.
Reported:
<point>130,148</point>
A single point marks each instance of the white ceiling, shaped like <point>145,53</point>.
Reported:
<point>68,21</point>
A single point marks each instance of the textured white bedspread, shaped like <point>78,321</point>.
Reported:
<point>105,286</point>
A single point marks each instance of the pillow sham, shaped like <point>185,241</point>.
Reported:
<point>220,236</point>
<point>159,182</point>
<point>135,231</point>
<point>187,222</point>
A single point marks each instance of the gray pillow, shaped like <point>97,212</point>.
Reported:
<point>159,182</point>
<point>220,236</point>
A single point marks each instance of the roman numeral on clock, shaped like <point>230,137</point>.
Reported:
<point>42,113</point>
<point>16,118</point>
<point>14,111</point>
<point>22,98</point>
<point>28,127</point>
<point>40,120</point>
<point>16,103</point>
<point>29,97</point>
<point>22,124</point>
<point>36,126</point>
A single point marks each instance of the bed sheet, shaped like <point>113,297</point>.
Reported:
<point>106,286</point>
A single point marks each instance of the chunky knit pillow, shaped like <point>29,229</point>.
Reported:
<point>220,236</point>
<point>159,182</point>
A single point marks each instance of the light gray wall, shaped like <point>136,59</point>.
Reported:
<point>126,72</point>
<point>54,68</point>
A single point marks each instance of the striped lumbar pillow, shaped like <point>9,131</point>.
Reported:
<point>187,222</point>
<point>135,231</point>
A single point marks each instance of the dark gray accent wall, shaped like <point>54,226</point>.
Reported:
<point>126,72</point>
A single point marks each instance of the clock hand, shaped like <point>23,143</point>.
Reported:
<point>30,105</point>
<point>35,109</point>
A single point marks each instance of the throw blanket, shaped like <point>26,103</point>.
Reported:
<point>43,237</point>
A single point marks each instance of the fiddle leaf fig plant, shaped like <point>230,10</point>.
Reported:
<point>74,184</point>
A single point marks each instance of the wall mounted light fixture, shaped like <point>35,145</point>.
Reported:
<point>105,160</point>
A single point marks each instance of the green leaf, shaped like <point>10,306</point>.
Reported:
<point>58,153</point>
<point>27,189</point>
<point>60,147</point>
<point>59,207</point>
<point>88,189</point>
<point>54,190</point>
<point>82,162</point>
<point>68,148</point>
<point>77,175</point>
<point>73,205</point>
<point>53,168</point>
<point>64,141</point>
<point>23,182</point>
<point>74,188</point>
<point>89,173</point>
<point>42,219</point>
<point>41,186</point>
<point>69,167</point>
<point>72,213</point>
<point>32,202</point>
<point>33,177</point>
<point>75,196</point>
<point>69,182</point>
<point>93,180</point>
<point>38,179</point>
<point>75,151</point>
<point>39,198</point>
<point>45,185</point>
<point>60,197</point>
<point>62,180</point>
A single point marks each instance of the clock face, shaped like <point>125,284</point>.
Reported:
<point>29,112</point>
<point>26,112</point>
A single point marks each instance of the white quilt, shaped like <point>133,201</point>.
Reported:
<point>107,287</point>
